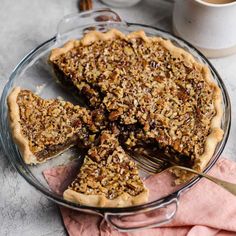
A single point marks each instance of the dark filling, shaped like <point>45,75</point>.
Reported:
<point>85,94</point>
<point>154,148</point>
<point>165,153</point>
<point>81,140</point>
<point>64,80</point>
<point>50,151</point>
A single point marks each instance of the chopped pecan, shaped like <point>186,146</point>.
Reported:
<point>85,5</point>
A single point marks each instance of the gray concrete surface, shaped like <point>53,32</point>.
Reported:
<point>25,24</point>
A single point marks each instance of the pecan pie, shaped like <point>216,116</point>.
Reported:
<point>108,177</point>
<point>155,92</point>
<point>141,92</point>
<point>45,128</point>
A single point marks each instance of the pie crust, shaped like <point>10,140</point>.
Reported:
<point>123,200</point>
<point>14,117</point>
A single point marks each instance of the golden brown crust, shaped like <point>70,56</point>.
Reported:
<point>14,117</point>
<point>123,200</point>
<point>56,52</point>
<point>94,36</point>
<point>216,132</point>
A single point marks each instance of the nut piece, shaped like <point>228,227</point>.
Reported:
<point>85,5</point>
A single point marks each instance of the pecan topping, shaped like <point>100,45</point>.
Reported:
<point>85,5</point>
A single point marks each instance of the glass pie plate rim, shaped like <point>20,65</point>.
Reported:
<point>61,36</point>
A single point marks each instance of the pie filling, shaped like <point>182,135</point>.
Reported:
<point>152,91</point>
<point>107,170</point>
<point>53,150</point>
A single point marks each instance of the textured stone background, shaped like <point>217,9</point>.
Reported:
<point>24,25</point>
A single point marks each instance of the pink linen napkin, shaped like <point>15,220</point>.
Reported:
<point>206,209</point>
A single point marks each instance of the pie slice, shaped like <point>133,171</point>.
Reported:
<point>44,128</point>
<point>108,177</point>
<point>155,92</point>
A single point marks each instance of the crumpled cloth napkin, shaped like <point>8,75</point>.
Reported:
<point>205,210</point>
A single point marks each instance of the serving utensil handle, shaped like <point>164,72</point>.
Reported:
<point>161,213</point>
<point>230,187</point>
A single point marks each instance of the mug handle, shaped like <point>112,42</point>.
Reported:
<point>161,213</point>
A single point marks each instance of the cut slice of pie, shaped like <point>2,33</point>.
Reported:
<point>44,128</point>
<point>108,177</point>
<point>154,91</point>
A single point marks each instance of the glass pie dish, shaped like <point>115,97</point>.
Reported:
<point>34,73</point>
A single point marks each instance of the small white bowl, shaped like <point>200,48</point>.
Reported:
<point>120,3</point>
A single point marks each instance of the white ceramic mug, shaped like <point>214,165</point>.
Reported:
<point>210,27</point>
